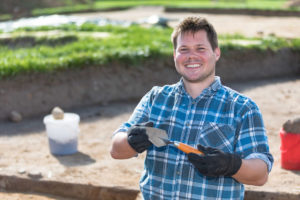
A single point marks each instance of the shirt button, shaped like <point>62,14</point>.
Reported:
<point>187,124</point>
<point>178,173</point>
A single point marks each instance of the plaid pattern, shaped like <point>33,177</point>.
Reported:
<point>220,118</point>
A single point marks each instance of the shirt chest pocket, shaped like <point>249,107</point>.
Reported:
<point>220,136</point>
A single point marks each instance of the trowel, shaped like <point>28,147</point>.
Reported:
<point>159,138</point>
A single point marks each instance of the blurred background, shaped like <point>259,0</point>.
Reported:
<point>97,58</point>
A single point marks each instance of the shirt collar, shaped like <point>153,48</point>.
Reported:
<point>216,84</point>
<point>207,91</point>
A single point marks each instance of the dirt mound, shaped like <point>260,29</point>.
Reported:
<point>103,84</point>
<point>293,4</point>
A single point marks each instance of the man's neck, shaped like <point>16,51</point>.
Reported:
<point>194,89</point>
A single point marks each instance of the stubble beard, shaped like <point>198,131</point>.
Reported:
<point>201,78</point>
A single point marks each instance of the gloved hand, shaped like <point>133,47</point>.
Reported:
<point>215,162</point>
<point>137,137</point>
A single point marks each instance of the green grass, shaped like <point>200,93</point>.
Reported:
<point>131,45</point>
<point>99,5</point>
<point>102,5</point>
<point>249,4</point>
<point>270,43</point>
<point>4,17</point>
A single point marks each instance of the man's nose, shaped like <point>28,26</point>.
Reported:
<point>192,55</point>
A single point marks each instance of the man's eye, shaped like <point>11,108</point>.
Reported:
<point>200,49</point>
<point>183,50</point>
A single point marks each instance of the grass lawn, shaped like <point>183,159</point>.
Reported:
<point>69,46</point>
<point>220,4</point>
<point>102,5</point>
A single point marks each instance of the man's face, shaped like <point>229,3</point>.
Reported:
<point>194,57</point>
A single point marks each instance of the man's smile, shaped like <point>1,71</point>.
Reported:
<point>193,65</point>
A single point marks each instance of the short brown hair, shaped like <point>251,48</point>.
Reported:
<point>193,25</point>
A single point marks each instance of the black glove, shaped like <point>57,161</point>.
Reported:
<point>137,137</point>
<point>215,162</point>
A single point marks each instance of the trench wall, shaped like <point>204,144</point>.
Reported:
<point>36,94</point>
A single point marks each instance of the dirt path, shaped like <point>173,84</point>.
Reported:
<point>22,196</point>
<point>224,24</point>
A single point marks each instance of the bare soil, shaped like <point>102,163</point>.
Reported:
<point>224,24</point>
<point>24,146</point>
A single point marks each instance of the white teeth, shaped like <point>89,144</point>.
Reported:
<point>193,66</point>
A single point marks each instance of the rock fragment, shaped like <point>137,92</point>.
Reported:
<point>35,174</point>
<point>15,116</point>
<point>21,171</point>
<point>57,113</point>
<point>292,125</point>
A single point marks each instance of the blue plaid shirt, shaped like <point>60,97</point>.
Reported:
<point>220,117</point>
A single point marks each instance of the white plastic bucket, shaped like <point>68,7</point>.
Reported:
<point>62,134</point>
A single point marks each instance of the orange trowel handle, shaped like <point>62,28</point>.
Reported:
<point>188,149</point>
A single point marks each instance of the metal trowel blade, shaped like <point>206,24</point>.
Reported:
<point>157,136</point>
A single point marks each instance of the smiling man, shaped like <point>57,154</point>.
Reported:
<point>201,112</point>
<point>195,58</point>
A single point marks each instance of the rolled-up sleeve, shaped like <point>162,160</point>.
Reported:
<point>263,157</point>
<point>253,141</point>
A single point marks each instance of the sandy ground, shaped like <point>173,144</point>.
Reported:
<point>22,196</point>
<point>224,24</point>
<point>24,146</point>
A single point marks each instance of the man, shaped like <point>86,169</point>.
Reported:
<point>199,111</point>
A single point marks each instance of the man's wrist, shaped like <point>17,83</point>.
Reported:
<point>235,165</point>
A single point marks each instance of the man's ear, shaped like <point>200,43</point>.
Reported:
<point>217,53</point>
